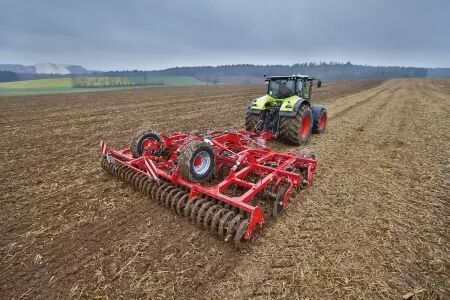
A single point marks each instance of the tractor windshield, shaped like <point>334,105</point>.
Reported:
<point>281,88</point>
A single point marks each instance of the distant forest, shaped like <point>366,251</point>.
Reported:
<point>247,73</point>
<point>324,71</point>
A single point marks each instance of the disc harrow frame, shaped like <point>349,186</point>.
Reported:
<point>245,169</point>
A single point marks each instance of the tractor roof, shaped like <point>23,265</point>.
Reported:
<point>298,76</point>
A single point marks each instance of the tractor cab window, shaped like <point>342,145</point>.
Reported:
<point>281,88</point>
<point>306,89</point>
<point>299,87</point>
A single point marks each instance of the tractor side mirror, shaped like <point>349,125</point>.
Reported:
<point>319,83</point>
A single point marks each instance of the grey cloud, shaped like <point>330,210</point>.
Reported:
<point>154,34</point>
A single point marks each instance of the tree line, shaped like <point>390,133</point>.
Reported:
<point>215,74</point>
<point>8,76</point>
<point>323,70</point>
<point>112,81</point>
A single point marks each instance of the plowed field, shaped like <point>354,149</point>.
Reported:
<point>375,224</point>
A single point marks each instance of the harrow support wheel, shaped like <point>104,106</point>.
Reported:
<point>196,161</point>
<point>297,130</point>
<point>146,141</point>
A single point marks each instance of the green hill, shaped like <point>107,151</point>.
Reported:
<point>86,84</point>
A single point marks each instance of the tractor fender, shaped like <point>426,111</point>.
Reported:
<point>316,110</point>
<point>285,111</point>
<point>259,104</point>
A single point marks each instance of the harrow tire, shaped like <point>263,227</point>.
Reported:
<point>297,130</point>
<point>137,143</point>
<point>251,121</point>
<point>196,161</point>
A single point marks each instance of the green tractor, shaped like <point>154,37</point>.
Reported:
<point>286,111</point>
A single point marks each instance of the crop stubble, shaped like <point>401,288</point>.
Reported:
<point>375,224</point>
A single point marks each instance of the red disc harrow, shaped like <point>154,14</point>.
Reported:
<point>214,178</point>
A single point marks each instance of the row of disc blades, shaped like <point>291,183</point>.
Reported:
<point>224,220</point>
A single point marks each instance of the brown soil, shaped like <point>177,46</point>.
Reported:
<point>374,225</point>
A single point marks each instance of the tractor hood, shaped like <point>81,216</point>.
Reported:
<point>287,104</point>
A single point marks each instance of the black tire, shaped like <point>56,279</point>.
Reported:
<point>307,153</point>
<point>320,121</point>
<point>319,83</point>
<point>251,121</point>
<point>291,128</point>
<point>187,161</point>
<point>137,148</point>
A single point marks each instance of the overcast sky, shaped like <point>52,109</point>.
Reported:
<point>139,34</point>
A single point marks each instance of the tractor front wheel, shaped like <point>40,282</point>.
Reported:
<point>251,121</point>
<point>297,130</point>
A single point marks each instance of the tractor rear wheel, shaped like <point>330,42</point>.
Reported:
<point>196,161</point>
<point>251,121</point>
<point>146,141</point>
<point>320,121</point>
<point>297,130</point>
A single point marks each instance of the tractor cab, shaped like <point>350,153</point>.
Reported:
<point>281,87</point>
